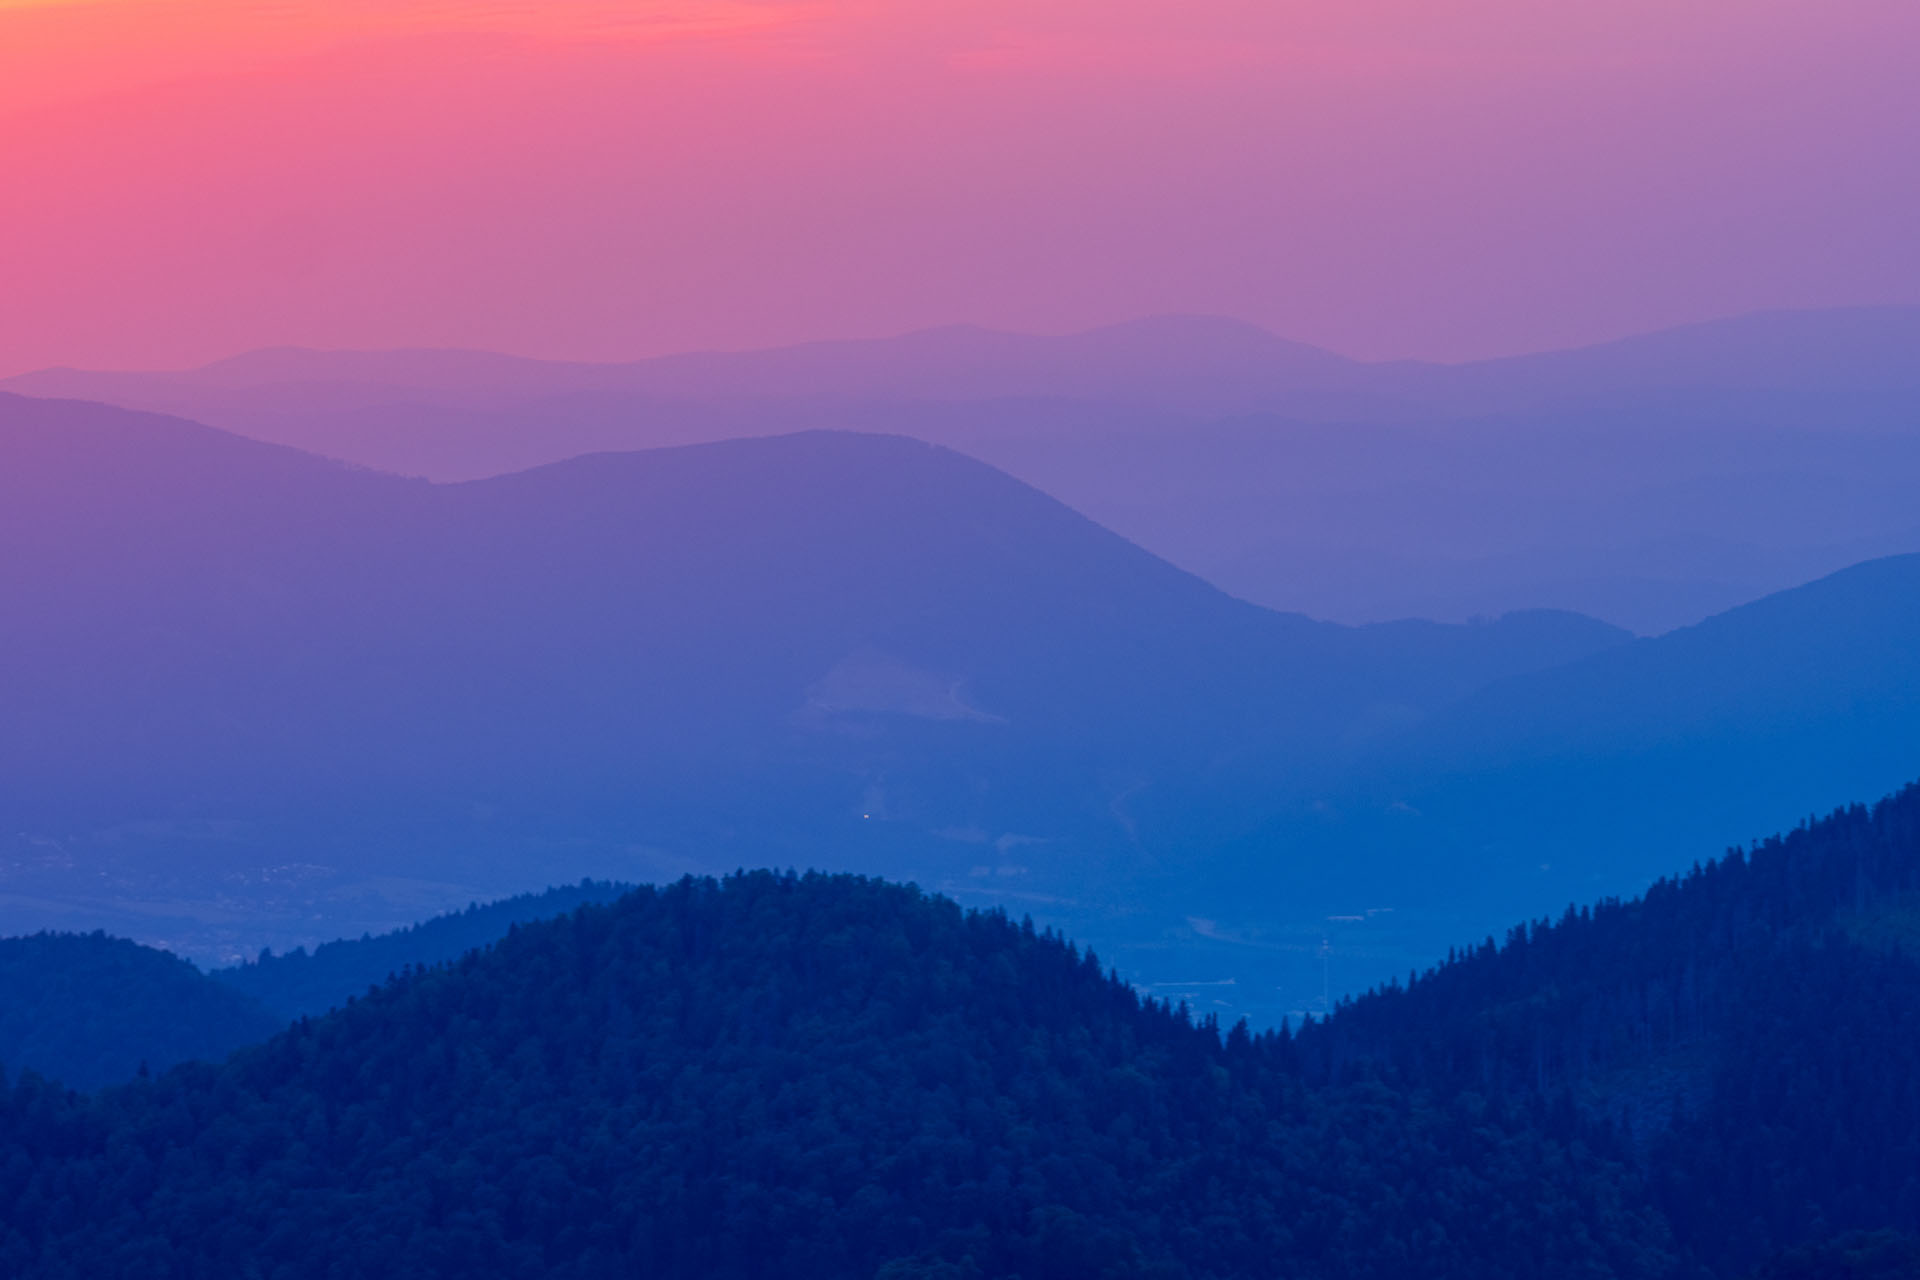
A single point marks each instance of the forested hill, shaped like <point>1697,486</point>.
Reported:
<point>796,1076</point>
<point>90,1010</point>
<point>1754,1026</point>
<point>302,982</point>
<point>832,1076</point>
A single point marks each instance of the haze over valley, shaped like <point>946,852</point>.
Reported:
<point>279,699</point>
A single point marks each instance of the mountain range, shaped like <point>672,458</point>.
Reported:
<point>254,663</point>
<point>1652,481</point>
<point>1204,364</point>
<point>259,697</point>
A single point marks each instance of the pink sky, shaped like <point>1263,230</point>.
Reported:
<point>184,179</point>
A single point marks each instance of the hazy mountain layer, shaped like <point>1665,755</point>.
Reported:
<point>238,665</point>
<point>1588,780</point>
<point>275,700</point>
<point>1652,481</point>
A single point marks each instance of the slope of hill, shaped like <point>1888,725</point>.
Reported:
<point>89,1010</point>
<point>620,563</point>
<point>1652,514</point>
<point>304,983</point>
<point>1753,1025</point>
<point>796,1076</point>
<point>1580,782</point>
<point>819,646</point>
<point>1748,721</point>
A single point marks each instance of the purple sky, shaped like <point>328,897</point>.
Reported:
<point>190,178</point>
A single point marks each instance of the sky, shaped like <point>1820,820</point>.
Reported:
<point>181,180</point>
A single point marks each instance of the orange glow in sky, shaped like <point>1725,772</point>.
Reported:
<point>189,178</point>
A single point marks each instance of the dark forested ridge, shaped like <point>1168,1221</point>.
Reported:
<point>832,1076</point>
<point>798,1076</point>
<point>90,1010</point>
<point>1753,1027</point>
<point>301,982</point>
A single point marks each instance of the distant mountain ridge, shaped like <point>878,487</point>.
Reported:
<point>1779,350</point>
<point>1597,777</point>
<point>370,699</point>
<point>1768,710</point>
<point>247,659</point>
<point>1651,481</point>
<point>1200,364</point>
<point>1170,359</point>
